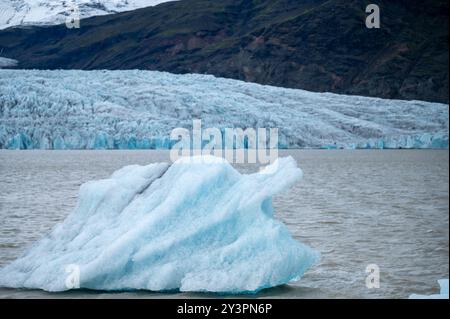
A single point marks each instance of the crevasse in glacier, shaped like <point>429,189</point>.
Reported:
<point>135,109</point>
<point>197,225</point>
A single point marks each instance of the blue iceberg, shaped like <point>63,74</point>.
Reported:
<point>196,225</point>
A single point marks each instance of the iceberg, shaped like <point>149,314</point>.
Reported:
<point>443,283</point>
<point>136,109</point>
<point>196,225</point>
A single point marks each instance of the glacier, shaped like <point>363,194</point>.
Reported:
<point>196,225</point>
<point>443,283</point>
<point>135,109</point>
<point>51,12</point>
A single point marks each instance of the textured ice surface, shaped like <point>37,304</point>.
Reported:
<point>48,12</point>
<point>193,226</point>
<point>139,109</point>
<point>443,283</point>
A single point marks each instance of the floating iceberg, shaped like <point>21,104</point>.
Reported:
<point>137,109</point>
<point>443,283</point>
<point>197,225</point>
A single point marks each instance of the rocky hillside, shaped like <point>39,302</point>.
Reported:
<point>317,45</point>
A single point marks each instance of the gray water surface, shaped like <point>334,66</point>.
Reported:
<point>388,208</point>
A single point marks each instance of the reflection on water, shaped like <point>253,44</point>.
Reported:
<point>357,208</point>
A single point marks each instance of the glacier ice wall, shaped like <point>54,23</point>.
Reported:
<point>198,225</point>
<point>138,110</point>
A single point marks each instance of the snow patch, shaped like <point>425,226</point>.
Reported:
<point>51,12</point>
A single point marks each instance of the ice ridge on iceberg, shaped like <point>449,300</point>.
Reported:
<point>138,109</point>
<point>193,226</point>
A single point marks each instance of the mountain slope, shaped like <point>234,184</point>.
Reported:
<point>50,12</point>
<point>139,109</point>
<point>317,45</point>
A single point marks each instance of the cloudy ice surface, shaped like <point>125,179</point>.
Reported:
<point>193,226</point>
<point>139,109</point>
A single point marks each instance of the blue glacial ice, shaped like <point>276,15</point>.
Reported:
<point>443,283</point>
<point>138,109</point>
<point>194,226</point>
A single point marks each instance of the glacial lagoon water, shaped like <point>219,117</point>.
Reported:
<point>388,208</point>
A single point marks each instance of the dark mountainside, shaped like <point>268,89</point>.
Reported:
<point>315,45</point>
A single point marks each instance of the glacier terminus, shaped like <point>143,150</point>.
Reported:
<point>72,109</point>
